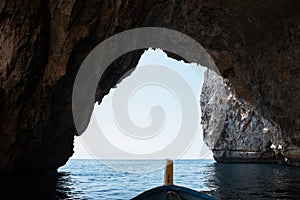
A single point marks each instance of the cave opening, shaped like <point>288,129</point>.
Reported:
<point>142,114</point>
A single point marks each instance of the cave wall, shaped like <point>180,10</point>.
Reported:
<point>42,44</point>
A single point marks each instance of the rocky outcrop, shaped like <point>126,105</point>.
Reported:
<point>254,44</point>
<point>233,129</point>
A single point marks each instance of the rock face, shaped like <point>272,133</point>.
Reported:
<point>255,45</point>
<point>233,129</point>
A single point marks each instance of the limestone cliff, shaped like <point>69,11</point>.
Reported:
<point>234,130</point>
<point>256,46</point>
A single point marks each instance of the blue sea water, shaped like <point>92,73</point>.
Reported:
<point>91,179</point>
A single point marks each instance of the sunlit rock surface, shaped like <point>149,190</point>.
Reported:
<point>235,131</point>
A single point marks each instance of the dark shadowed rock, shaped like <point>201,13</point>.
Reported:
<point>42,44</point>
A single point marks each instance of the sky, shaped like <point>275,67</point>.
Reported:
<point>141,99</point>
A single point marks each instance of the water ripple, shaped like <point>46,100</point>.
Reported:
<point>89,179</point>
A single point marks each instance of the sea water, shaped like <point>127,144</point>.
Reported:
<point>91,179</point>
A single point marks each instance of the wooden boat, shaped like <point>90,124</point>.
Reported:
<point>171,192</point>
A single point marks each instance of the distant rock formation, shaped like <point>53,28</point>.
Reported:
<point>234,130</point>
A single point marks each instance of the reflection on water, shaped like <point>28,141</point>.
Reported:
<point>43,185</point>
<point>254,181</point>
<point>89,179</point>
